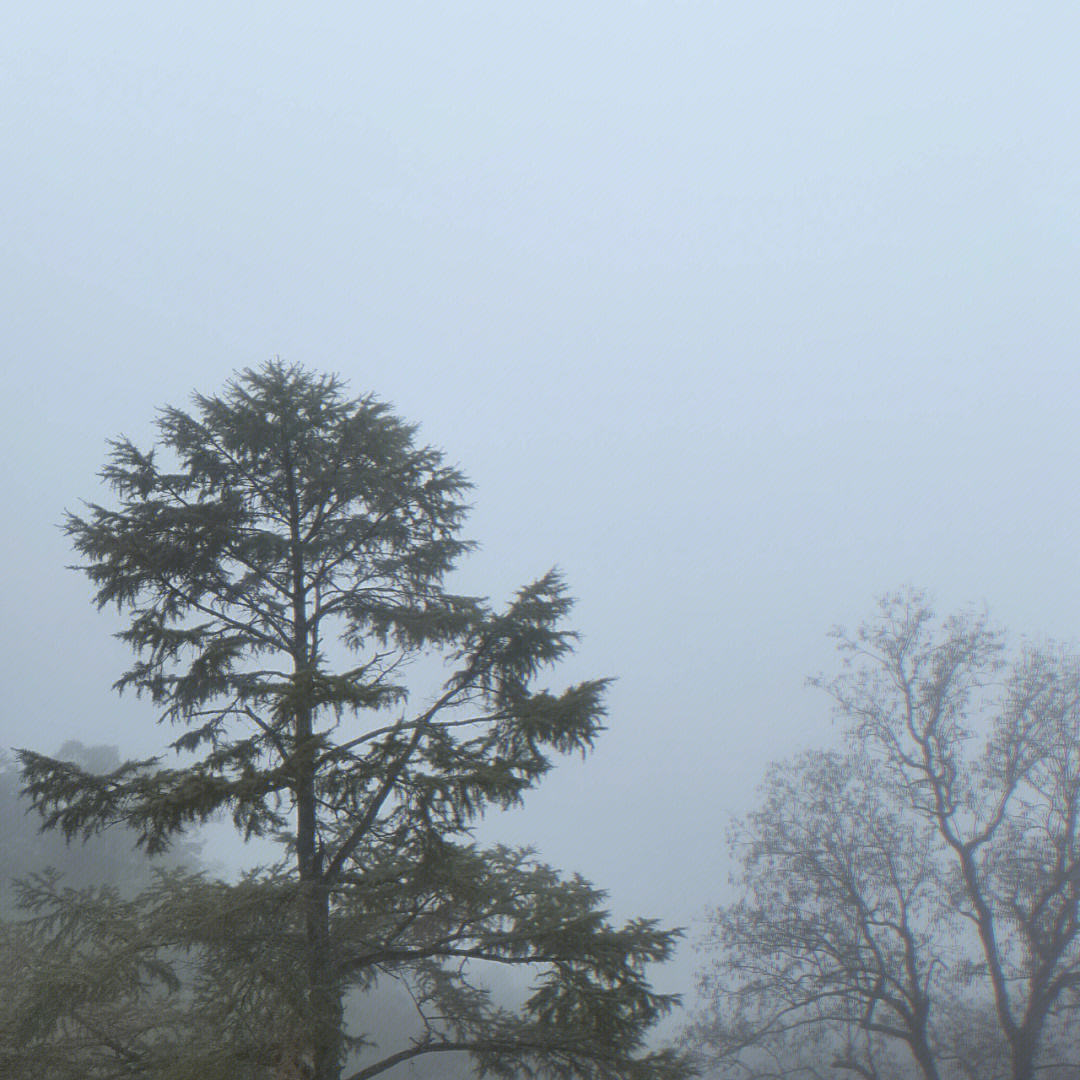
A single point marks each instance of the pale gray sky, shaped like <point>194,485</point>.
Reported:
<point>742,313</point>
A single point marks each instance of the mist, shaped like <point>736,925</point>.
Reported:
<point>740,314</point>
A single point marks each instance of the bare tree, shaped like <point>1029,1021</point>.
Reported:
<point>924,888</point>
<point>829,962</point>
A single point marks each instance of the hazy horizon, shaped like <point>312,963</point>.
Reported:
<point>741,314</point>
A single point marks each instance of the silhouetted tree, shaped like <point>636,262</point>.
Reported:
<point>290,525</point>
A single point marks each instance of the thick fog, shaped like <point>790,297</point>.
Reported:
<point>740,313</point>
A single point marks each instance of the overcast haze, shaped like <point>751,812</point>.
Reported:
<point>741,313</point>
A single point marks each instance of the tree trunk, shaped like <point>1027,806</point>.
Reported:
<point>323,1008</point>
<point>925,1059</point>
<point>323,1005</point>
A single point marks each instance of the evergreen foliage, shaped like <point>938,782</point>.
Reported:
<point>280,557</point>
<point>109,858</point>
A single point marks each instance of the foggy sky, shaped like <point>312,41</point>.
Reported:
<point>741,313</point>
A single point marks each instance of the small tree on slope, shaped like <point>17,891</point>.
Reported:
<point>294,520</point>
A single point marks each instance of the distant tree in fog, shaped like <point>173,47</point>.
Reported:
<point>76,965</point>
<point>281,555</point>
<point>108,858</point>
<point>911,907</point>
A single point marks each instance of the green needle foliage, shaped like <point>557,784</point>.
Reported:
<point>280,569</point>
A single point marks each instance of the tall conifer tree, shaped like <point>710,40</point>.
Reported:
<point>281,558</point>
